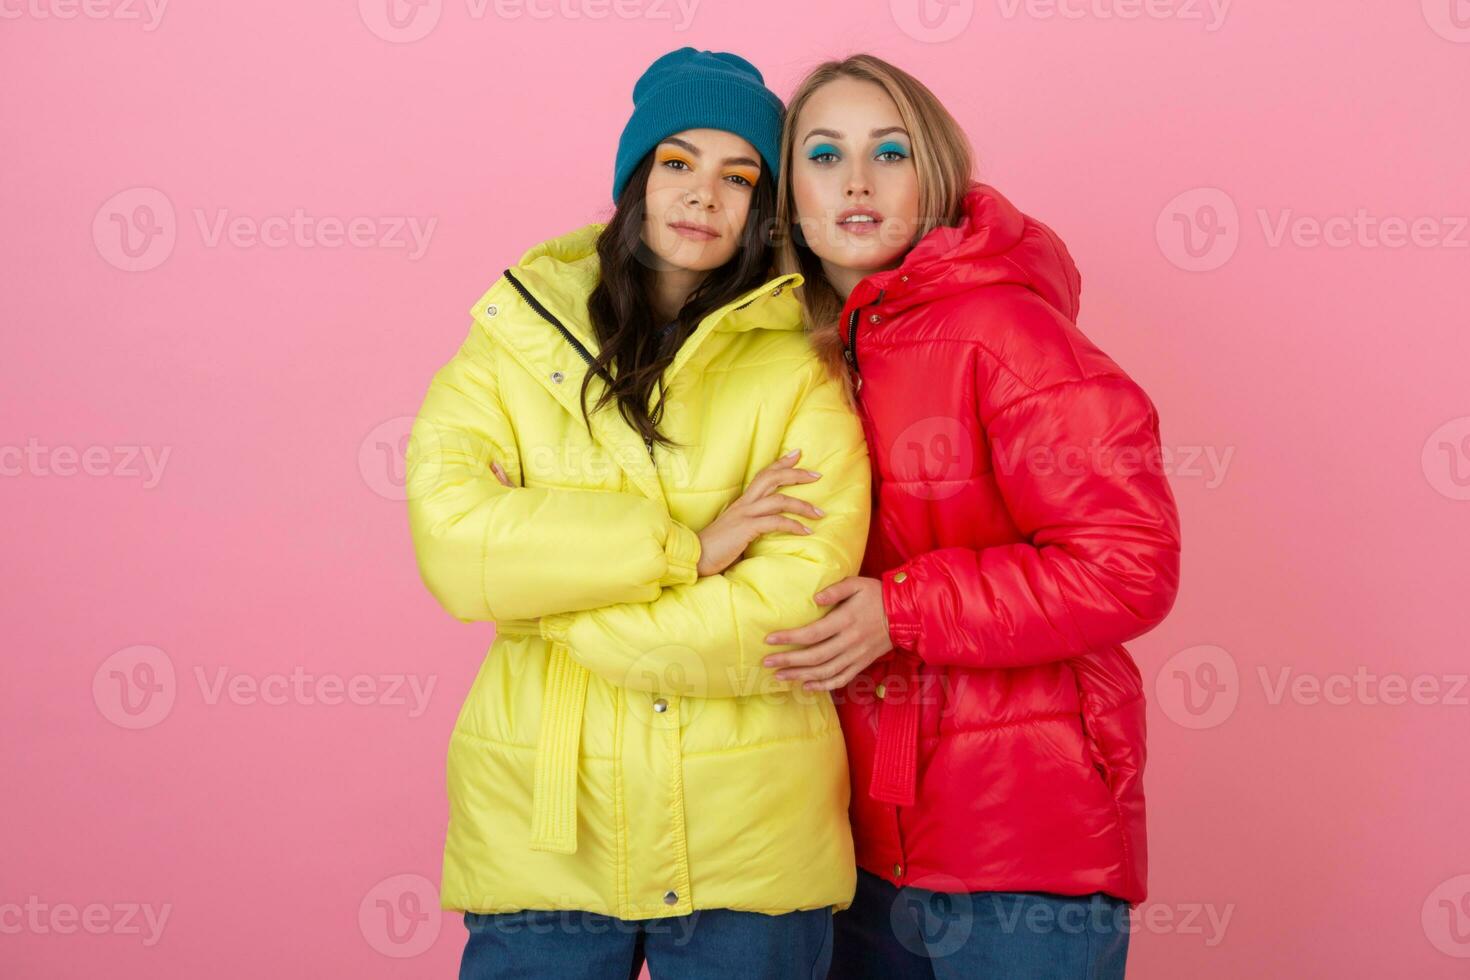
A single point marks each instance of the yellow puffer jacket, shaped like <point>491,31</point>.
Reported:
<point>622,749</point>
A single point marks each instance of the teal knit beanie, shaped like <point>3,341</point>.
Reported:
<point>689,89</point>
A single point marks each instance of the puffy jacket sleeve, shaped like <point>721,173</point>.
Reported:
<point>707,638</point>
<point>1078,465</point>
<point>491,552</point>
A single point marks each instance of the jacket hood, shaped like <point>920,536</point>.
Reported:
<point>993,243</point>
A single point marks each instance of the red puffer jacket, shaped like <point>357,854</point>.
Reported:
<point>1023,529</point>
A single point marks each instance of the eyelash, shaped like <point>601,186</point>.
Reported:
<point>742,181</point>
<point>818,158</point>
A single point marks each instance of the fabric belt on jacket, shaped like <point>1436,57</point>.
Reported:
<point>554,790</point>
<point>896,754</point>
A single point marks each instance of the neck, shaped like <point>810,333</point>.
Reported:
<point>671,290</point>
<point>844,279</point>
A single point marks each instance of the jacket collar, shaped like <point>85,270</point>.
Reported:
<point>560,274</point>
<point>993,243</point>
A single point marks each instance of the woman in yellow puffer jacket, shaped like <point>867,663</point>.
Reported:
<point>627,779</point>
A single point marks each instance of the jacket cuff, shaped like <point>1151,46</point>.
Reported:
<point>682,550</point>
<point>901,606</point>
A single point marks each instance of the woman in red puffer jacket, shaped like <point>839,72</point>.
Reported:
<point>1022,531</point>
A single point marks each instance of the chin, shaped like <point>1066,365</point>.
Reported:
<point>685,255</point>
<point>866,259</point>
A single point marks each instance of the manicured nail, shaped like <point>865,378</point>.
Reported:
<point>819,511</point>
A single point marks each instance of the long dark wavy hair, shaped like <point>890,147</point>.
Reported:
<point>633,352</point>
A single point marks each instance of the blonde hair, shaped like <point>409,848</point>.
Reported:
<point>941,155</point>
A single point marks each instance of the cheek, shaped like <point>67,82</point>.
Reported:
<point>905,197</point>
<point>662,204</point>
<point>656,234</point>
<point>736,210</point>
<point>810,192</point>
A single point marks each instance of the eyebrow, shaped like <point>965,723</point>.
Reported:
<point>695,150</point>
<point>834,134</point>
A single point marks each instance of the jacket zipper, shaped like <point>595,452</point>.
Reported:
<point>849,349</point>
<point>546,315</point>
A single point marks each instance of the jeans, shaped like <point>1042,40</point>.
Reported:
<point>706,943</point>
<point>915,934</point>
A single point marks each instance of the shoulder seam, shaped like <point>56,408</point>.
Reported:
<point>1100,376</point>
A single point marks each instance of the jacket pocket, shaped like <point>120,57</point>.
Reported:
<point>1096,757</point>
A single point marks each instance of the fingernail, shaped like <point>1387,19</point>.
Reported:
<point>793,452</point>
<point>814,474</point>
<point>819,511</point>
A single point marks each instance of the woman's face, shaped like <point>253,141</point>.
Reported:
<point>698,198</point>
<point>853,182</point>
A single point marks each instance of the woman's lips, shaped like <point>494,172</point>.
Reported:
<point>693,232</point>
<point>867,221</point>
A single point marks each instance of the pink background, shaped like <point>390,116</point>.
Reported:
<point>1314,396</point>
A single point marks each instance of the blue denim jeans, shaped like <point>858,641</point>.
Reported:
<point>706,943</point>
<point>915,934</point>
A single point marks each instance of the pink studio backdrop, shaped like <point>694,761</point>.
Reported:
<point>238,239</point>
